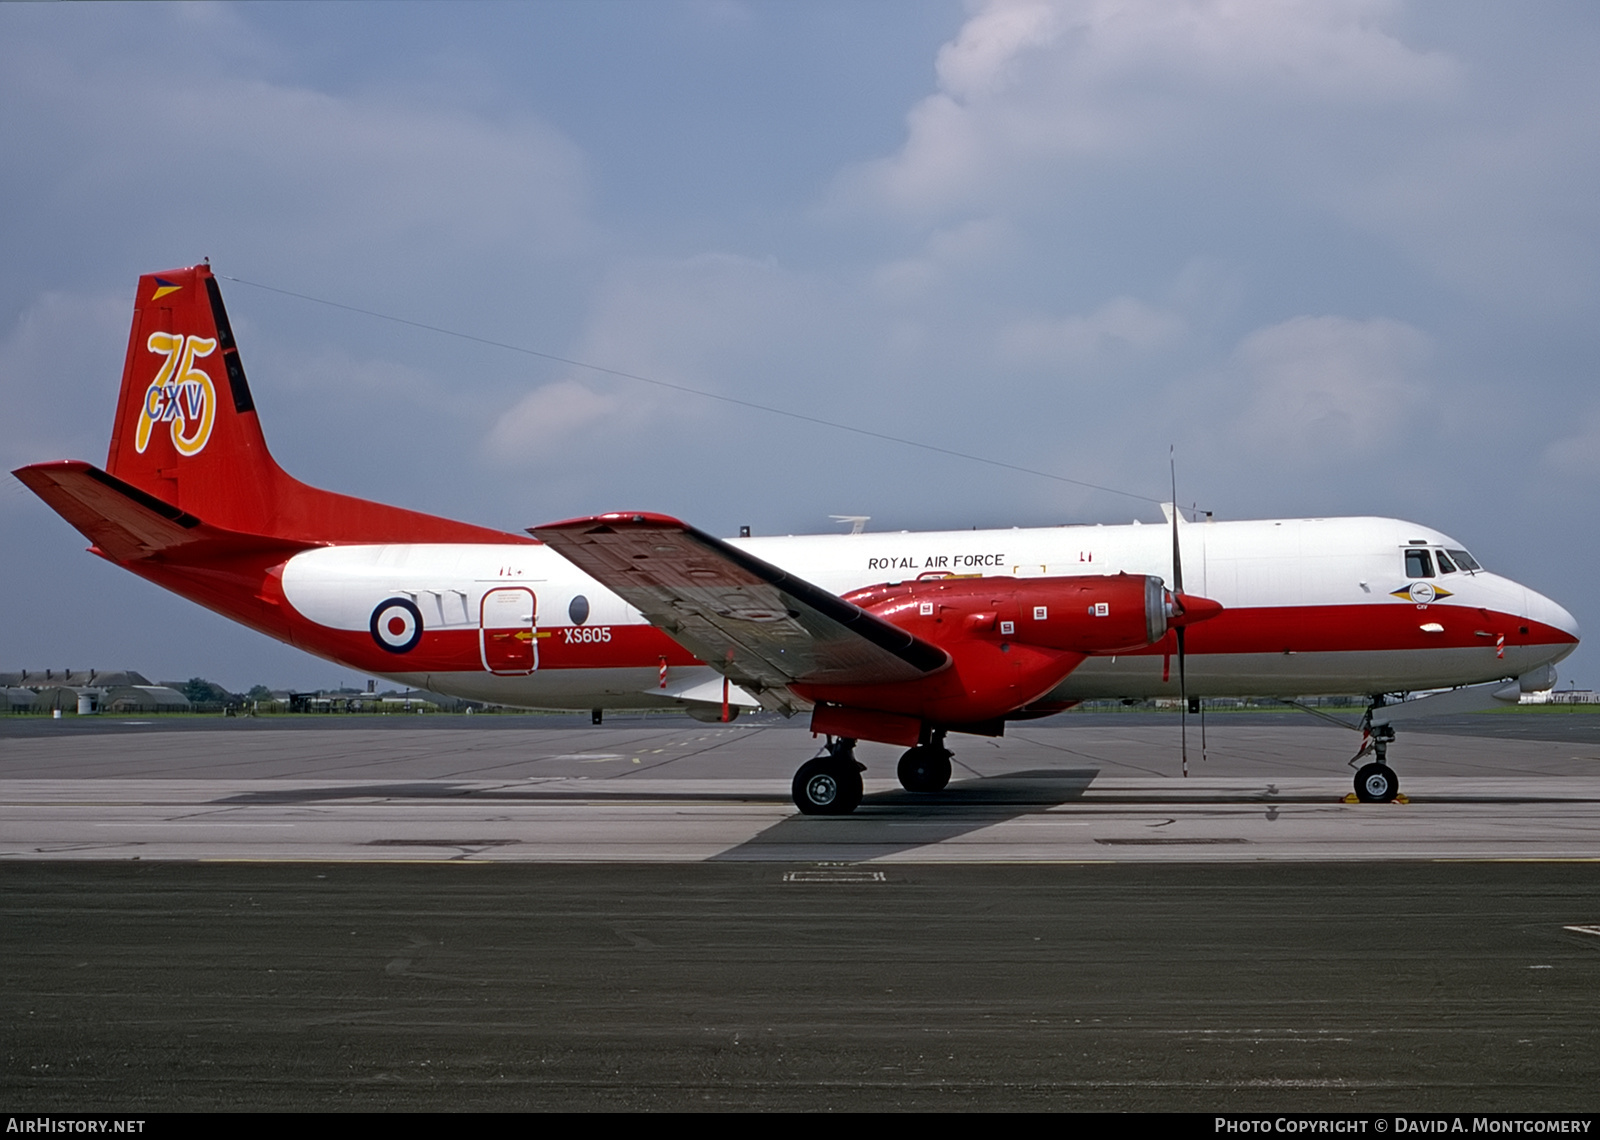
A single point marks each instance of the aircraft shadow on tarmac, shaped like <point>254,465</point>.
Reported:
<point>887,823</point>
<point>416,790</point>
<point>884,824</point>
<point>1029,791</point>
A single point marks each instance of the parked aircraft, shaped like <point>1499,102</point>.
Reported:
<point>896,638</point>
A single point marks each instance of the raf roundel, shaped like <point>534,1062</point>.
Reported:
<point>397,625</point>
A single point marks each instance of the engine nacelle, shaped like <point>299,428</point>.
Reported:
<point>1089,614</point>
<point>1010,642</point>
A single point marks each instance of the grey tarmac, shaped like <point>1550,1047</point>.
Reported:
<point>548,915</point>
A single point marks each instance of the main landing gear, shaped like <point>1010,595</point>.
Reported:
<point>1376,783</point>
<point>925,767</point>
<point>830,784</point>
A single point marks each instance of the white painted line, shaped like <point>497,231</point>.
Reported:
<point>1583,929</point>
<point>198,823</point>
<point>834,877</point>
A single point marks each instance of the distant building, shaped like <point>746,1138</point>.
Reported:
<point>16,699</point>
<point>1562,697</point>
<point>37,679</point>
<point>86,691</point>
<point>144,698</point>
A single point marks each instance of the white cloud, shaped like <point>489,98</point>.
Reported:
<point>261,170</point>
<point>950,256</point>
<point>1332,49</point>
<point>1319,389</point>
<point>1027,82</point>
<point>552,423</point>
<point>712,322</point>
<point>1123,326</point>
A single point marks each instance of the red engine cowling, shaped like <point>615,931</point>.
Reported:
<point>1010,642</point>
<point>1107,613</point>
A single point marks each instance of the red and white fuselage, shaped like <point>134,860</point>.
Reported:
<point>1310,606</point>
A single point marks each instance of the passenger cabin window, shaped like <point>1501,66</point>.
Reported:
<point>1445,565</point>
<point>1418,564</point>
<point>1465,560</point>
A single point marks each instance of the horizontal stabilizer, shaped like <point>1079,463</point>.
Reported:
<point>751,621</point>
<point>123,522</point>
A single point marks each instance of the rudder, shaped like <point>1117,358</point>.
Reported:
<point>186,428</point>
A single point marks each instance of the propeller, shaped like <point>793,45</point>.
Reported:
<point>1186,610</point>
<point>1177,583</point>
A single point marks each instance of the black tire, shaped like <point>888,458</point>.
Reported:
<point>827,786</point>
<point>1377,784</point>
<point>924,769</point>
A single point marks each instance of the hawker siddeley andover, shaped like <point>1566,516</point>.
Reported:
<point>896,638</point>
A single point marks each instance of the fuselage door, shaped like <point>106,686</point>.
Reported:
<point>506,630</point>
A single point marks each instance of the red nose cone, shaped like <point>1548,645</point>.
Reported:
<point>1193,608</point>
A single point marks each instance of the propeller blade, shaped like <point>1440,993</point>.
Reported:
<point>1177,555</point>
<point>1183,705</point>
<point>1177,582</point>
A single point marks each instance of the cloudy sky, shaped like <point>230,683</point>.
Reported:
<point>1342,255</point>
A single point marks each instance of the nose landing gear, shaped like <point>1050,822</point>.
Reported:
<point>1376,783</point>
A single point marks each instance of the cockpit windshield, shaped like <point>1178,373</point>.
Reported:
<point>1465,560</point>
<point>1419,564</point>
<point>1445,565</point>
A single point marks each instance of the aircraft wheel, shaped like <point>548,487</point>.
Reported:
<point>828,785</point>
<point>924,769</point>
<point>1377,784</point>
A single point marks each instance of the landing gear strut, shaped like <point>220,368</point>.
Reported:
<point>925,767</point>
<point>830,784</point>
<point>1376,783</point>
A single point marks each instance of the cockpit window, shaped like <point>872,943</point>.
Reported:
<point>1465,560</point>
<point>1445,565</point>
<point>1418,564</point>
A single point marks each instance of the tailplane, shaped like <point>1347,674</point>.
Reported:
<point>187,441</point>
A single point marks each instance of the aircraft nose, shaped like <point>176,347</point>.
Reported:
<point>1546,612</point>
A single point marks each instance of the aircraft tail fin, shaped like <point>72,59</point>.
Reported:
<point>187,434</point>
<point>186,431</point>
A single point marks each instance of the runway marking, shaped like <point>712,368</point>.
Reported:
<point>1165,841</point>
<point>1515,859</point>
<point>325,861</point>
<point>1595,930</point>
<point>201,823</point>
<point>835,877</point>
<point>441,842</point>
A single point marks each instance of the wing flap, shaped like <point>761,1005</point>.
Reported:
<point>757,624</point>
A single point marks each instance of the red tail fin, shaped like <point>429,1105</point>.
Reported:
<point>186,429</point>
<point>187,433</point>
